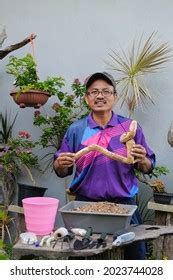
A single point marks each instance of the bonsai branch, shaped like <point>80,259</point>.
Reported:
<point>156,185</point>
<point>30,174</point>
<point>19,45</point>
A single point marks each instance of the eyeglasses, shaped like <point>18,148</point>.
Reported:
<point>95,92</point>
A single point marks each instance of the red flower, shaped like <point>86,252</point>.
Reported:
<point>77,82</point>
<point>37,113</point>
<point>24,134</point>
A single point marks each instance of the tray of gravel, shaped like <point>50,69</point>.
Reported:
<point>101,216</point>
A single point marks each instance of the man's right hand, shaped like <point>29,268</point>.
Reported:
<point>63,162</point>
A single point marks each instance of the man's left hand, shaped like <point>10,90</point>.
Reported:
<point>143,163</point>
<point>139,153</point>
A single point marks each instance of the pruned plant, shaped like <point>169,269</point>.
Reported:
<point>157,185</point>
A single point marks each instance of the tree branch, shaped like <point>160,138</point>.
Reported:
<point>19,45</point>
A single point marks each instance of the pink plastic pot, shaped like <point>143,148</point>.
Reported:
<point>40,214</point>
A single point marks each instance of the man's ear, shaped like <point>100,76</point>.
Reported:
<point>86,99</point>
<point>115,98</point>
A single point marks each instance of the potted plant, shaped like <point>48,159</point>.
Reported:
<point>6,127</point>
<point>141,59</point>
<point>159,192</point>
<point>15,155</point>
<point>29,90</point>
<point>68,108</point>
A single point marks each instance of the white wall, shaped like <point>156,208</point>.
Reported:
<point>73,40</point>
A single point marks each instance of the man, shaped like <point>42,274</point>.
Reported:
<point>97,177</point>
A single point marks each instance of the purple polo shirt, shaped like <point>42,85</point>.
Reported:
<point>98,177</point>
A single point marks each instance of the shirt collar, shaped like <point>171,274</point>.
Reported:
<point>92,124</point>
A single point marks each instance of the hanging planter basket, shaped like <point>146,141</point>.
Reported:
<point>30,98</point>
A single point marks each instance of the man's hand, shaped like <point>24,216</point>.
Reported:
<point>139,153</point>
<point>63,162</point>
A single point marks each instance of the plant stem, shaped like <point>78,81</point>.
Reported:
<point>30,174</point>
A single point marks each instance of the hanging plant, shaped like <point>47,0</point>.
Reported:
<point>29,90</point>
<point>133,66</point>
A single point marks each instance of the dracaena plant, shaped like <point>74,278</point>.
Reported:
<point>68,108</point>
<point>142,58</point>
<point>6,127</point>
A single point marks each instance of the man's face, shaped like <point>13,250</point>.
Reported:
<point>100,96</point>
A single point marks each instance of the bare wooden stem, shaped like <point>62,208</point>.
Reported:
<point>14,47</point>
